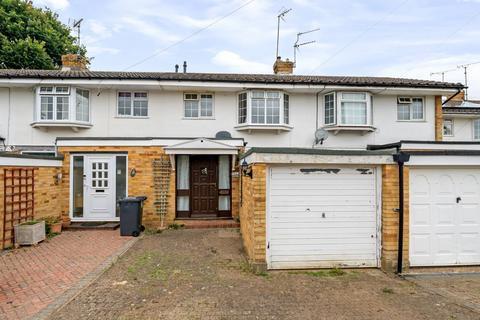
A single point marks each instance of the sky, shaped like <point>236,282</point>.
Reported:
<point>398,38</point>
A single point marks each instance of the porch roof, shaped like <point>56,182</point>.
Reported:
<point>201,146</point>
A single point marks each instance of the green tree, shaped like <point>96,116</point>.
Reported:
<point>33,38</point>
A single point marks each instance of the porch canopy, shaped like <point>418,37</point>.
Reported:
<point>201,146</point>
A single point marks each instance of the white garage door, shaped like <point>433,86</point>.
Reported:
<point>444,216</point>
<point>322,217</point>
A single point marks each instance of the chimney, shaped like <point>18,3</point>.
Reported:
<point>184,66</point>
<point>282,67</point>
<point>459,97</point>
<point>176,68</point>
<point>74,61</point>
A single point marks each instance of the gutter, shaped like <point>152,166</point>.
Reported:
<point>400,158</point>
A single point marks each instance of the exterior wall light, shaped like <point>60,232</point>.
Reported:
<point>246,169</point>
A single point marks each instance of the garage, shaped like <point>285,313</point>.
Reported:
<point>322,216</point>
<point>444,216</point>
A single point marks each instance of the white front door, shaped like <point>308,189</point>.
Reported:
<point>322,216</point>
<point>99,187</point>
<point>444,216</point>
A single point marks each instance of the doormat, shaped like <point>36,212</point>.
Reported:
<point>93,224</point>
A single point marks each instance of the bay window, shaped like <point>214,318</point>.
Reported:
<point>261,109</point>
<point>347,109</point>
<point>61,105</point>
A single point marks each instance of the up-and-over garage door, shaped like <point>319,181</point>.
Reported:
<point>444,216</point>
<point>322,217</point>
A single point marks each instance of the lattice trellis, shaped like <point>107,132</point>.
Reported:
<point>19,190</point>
<point>161,182</point>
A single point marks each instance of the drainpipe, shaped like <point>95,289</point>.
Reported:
<point>400,158</point>
<point>456,94</point>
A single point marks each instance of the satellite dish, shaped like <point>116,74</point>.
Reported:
<point>320,136</point>
<point>223,135</point>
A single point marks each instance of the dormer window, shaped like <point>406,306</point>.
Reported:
<point>62,106</point>
<point>348,111</point>
<point>262,109</point>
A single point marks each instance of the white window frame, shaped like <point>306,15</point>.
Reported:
<point>452,127</point>
<point>281,106</point>
<point>410,106</point>
<point>473,129</point>
<point>71,93</point>
<point>334,94</point>
<point>338,99</point>
<point>199,99</point>
<point>132,95</point>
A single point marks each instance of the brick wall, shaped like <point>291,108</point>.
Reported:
<point>140,159</point>
<point>390,216</point>
<point>438,119</point>
<point>253,214</point>
<point>47,194</point>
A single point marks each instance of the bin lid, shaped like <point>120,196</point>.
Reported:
<point>131,199</point>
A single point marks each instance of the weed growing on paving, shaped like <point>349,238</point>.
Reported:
<point>387,290</point>
<point>336,272</point>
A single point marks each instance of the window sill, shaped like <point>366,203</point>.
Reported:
<point>74,125</point>
<point>198,118</point>
<point>132,117</point>
<point>263,127</point>
<point>335,129</point>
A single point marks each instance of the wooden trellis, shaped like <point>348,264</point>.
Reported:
<point>19,190</point>
<point>161,181</point>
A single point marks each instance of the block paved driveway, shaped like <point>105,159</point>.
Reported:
<point>202,274</point>
<point>34,278</point>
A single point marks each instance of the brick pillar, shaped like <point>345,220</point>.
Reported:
<point>390,217</point>
<point>438,119</point>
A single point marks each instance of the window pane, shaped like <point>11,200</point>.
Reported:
<point>273,110</point>
<point>403,111</point>
<point>206,105</point>
<point>120,180</point>
<point>191,108</point>
<point>77,186</point>
<point>82,112</point>
<point>61,89</point>
<point>354,96</point>
<point>140,108</point>
<point>183,172</point>
<point>62,108</point>
<point>124,104</point>
<point>183,203</point>
<point>258,110</point>
<point>224,203</point>
<point>329,109</point>
<point>258,94</point>
<point>286,107</point>
<point>354,113</point>
<point>417,109</point>
<point>476,129</point>
<point>46,89</point>
<point>224,172</point>
<point>447,127</point>
<point>242,108</point>
<point>46,108</point>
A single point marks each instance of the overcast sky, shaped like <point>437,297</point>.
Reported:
<point>399,38</point>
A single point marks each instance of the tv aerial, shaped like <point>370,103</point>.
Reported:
<point>298,44</point>
<point>77,25</point>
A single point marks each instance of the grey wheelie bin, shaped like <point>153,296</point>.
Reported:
<point>131,210</point>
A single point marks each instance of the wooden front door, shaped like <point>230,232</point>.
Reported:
<point>204,189</point>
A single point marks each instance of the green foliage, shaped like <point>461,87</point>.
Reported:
<point>32,38</point>
<point>335,272</point>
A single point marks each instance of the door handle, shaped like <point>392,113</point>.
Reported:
<point>459,199</point>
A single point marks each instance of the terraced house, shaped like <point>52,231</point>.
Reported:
<point>321,171</point>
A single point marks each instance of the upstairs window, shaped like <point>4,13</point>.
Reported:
<point>410,109</point>
<point>63,104</point>
<point>448,127</point>
<point>347,109</point>
<point>258,107</point>
<point>132,104</point>
<point>198,105</point>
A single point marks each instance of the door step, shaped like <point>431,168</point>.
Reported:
<point>94,225</point>
<point>207,224</point>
